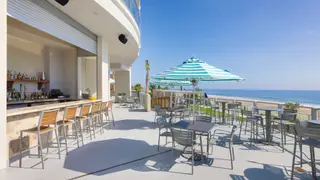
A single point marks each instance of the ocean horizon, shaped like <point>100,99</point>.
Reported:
<point>311,97</point>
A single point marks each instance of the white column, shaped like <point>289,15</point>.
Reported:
<point>123,82</point>
<point>3,83</point>
<point>103,69</point>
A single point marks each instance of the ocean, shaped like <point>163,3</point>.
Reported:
<point>300,96</point>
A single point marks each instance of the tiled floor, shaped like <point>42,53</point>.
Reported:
<point>129,151</point>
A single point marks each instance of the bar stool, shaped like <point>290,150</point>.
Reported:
<point>109,111</point>
<point>103,113</point>
<point>232,107</point>
<point>96,117</point>
<point>84,117</point>
<point>69,118</point>
<point>47,123</point>
<point>254,120</point>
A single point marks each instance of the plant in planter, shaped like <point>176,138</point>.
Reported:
<point>291,107</point>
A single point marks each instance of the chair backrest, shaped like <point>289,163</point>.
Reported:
<point>288,116</point>
<point>157,107</point>
<point>85,110</point>
<point>104,106</point>
<point>162,122</point>
<point>96,107</point>
<point>186,112</point>
<point>302,130</point>
<point>232,106</point>
<point>48,117</point>
<point>70,112</point>
<point>183,137</point>
<point>204,118</point>
<point>110,103</point>
<point>161,112</point>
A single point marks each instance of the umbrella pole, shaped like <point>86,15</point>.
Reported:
<point>171,99</point>
<point>194,101</point>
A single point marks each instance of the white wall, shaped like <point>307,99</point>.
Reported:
<point>123,82</point>
<point>91,76</point>
<point>63,71</point>
<point>3,83</point>
<point>23,59</point>
<point>70,73</point>
<point>103,69</point>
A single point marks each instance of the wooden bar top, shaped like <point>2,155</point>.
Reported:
<point>34,109</point>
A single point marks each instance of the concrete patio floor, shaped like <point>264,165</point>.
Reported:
<point>129,151</point>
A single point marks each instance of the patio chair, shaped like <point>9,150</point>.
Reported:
<point>287,119</point>
<point>161,113</point>
<point>207,119</point>
<point>256,121</point>
<point>228,139</point>
<point>184,141</point>
<point>309,136</point>
<point>164,130</point>
<point>110,113</point>
<point>47,123</point>
<point>233,112</point>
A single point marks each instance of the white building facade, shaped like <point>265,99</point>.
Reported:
<point>75,42</point>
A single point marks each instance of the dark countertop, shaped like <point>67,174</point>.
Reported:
<point>38,101</point>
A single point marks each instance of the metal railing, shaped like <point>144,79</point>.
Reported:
<point>134,9</point>
<point>305,112</point>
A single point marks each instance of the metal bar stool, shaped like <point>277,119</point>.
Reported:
<point>84,118</point>
<point>69,119</point>
<point>110,112</point>
<point>95,117</point>
<point>47,123</point>
<point>104,113</point>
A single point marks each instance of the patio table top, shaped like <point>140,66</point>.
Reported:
<point>198,126</point>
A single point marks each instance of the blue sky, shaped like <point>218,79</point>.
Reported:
<point>274,44</point>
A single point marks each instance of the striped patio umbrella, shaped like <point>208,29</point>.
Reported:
<point>195,70</point>
<point>170,83</point>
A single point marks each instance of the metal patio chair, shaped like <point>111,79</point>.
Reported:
<point>184,141</point>
<point>228,139</point>
<point>164,130</point>
<point>309,136</point>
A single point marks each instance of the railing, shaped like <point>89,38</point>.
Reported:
<point>305,112</point>
<point>134,9</point>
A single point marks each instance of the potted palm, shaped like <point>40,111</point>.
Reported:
<point>147,104</point>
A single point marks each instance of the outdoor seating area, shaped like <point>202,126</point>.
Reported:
<point>163,144</point>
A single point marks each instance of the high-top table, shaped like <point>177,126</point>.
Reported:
<point>314,122</point>
<point>268,120</point>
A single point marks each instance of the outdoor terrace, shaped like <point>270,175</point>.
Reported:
<point>129,151</point>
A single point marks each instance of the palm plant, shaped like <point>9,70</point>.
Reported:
<point>147,66</point>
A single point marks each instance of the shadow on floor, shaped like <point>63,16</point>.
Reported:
<point>129,124</point>
<point>237,177</point>
<point>268,172</point>
<point>108,156</point>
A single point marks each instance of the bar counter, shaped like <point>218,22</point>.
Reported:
<point>28,117</point>
<point>27,110</point>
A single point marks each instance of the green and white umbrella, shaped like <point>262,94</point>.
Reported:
<point>195,70</point>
